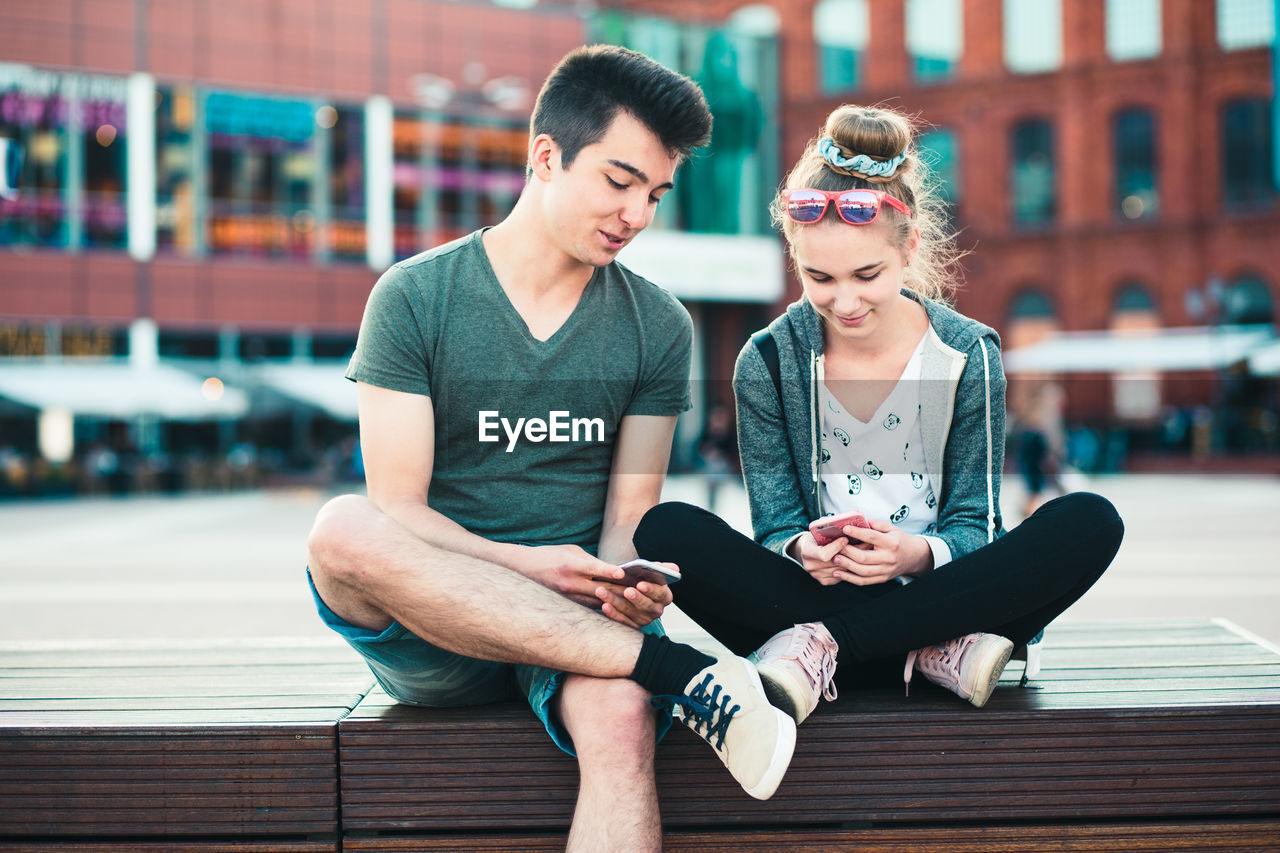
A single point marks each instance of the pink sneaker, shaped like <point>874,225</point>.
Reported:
<point>797,666</point>
<point>968,666</point>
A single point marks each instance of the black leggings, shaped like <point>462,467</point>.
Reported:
<point>743,593</point>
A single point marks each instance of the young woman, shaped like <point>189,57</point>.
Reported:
<point>870,394</point>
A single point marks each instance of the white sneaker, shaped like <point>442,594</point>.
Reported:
<point>797,666</point>
<point>968,666</point>
<point>725,705</point>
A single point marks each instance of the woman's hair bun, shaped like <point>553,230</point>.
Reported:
<point>879,134</point>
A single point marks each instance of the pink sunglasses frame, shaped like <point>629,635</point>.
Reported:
<point>832,196</point>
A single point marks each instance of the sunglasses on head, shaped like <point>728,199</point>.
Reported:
<point>857,207</point>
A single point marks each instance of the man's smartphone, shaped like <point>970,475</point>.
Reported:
<point>643,570</point>
<point>829,528</point>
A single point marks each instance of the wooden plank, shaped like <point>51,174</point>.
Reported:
<point>275,845</point>
<point>234,785</point>
<point>209,719</point>
<point>1151,721</point>
<point>141,658</point>
<point>138,742</point>
<point>1057,838</point>
<point>196,681</point>
<point>220,702</point>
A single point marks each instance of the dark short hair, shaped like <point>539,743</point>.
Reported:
<point>591,85</point>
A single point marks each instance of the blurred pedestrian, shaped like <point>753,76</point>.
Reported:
<point>718,452</point>
<point>1041,446</point>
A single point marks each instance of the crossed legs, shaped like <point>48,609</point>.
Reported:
<point>370,570</point>
<point>743,593</point>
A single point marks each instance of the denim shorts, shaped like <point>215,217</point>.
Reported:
<point>414,672</point>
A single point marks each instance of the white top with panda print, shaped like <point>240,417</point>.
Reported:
<point>878,468</point>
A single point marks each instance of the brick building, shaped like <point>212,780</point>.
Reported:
<point>1109,163</point>
<point>218,185</point>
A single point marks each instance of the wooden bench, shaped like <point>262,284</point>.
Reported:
<point>1140,736</point>
<point>1166,732</point>
<point>206,747</point>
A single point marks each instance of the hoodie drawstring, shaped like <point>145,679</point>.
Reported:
<point>991,499</point>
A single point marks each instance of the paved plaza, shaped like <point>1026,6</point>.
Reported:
<point>230,566</point>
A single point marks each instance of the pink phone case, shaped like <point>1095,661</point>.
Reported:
<point>829,528</point>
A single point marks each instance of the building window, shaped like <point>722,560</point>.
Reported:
<point>940,151</point>
<point>1133,29</point>
<point>346,216</point>
<point>1243,24</point>
<point>453,175</point>
<point>1032,304</point>
<point>32,116</point>
<point>1134,141</point>
<point>1247,301</point>
<point>173,343</point>
<point>841,29</point>
<point>1246,153</point>
<point>1135,394</point>
<point>1032,318</point>
<point>759,20</point>
<point>262,175</point>
<point>1133,298</point>
<point>332,346</point>
<point>69,130</point>
<point>253,347</point>
<point>935,37</point>
<point>412,195</point>
<point>726,188</point>
<point>103,143</point>
<point>177,226</point>
<point>1032,173</point>
<point>1032,35</point>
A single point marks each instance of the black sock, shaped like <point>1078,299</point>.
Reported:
<point>665,668</point>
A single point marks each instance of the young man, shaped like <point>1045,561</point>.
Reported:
<point>518,392</point>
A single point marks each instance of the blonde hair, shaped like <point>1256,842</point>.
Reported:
<point>882,134</point>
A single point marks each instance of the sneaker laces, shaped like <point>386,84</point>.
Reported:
<point>942,660</point>
<point>711,711</point>
<point>817,657</point>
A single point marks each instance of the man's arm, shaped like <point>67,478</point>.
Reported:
<point>640,459</point>
<point>397,438</point>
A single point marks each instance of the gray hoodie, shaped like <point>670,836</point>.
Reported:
<point>962,422</point>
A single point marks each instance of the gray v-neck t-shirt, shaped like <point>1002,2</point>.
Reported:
<point>524,429</point>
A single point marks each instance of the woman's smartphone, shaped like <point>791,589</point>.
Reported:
<point>643,570</point>
<point>829,528</point>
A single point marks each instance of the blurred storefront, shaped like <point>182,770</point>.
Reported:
<point>212,189</point>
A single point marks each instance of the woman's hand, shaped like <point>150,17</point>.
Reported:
<point>880,554</point>
<point>819,560</point>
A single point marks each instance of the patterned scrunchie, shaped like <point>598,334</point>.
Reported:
<point>862,163</point>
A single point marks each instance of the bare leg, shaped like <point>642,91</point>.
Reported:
<point>612,726</point>
<point>370,570</point>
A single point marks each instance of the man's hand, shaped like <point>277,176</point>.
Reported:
<point>575,574</point>
<point>635,486</point>
<point>637,605</point>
